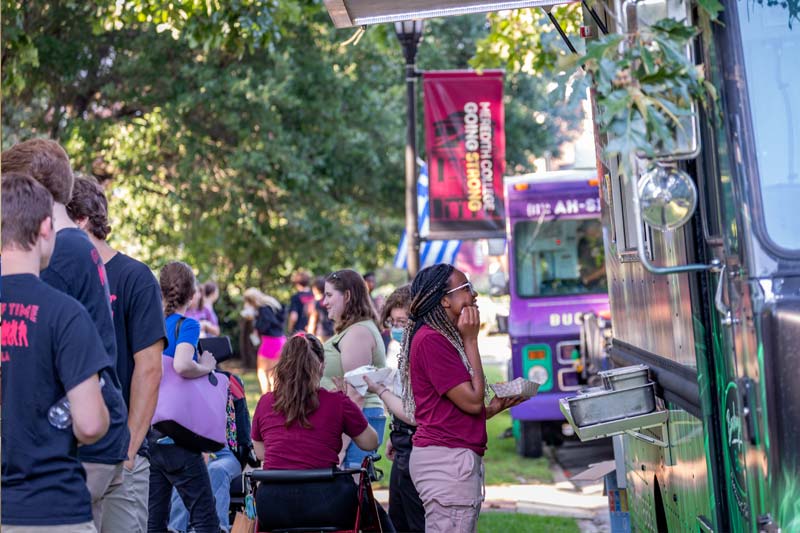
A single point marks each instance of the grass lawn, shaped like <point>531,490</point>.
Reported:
<point>503,465</point>
<point>506,522</point>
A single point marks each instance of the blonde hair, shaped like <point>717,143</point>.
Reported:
<point>258,299</point>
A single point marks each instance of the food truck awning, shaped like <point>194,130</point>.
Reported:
<point>349,13</point>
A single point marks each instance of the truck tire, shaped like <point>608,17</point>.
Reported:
<point>530,441</point>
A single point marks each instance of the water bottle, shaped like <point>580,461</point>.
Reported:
<point>59,414</point>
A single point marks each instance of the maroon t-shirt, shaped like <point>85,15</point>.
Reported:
<point>436,368</point>
<point>300,448</point>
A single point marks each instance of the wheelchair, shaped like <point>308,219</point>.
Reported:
<point>330,488</point>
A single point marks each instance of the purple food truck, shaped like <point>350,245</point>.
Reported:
<point>557,273</point>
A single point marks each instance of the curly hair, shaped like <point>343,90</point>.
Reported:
<point>89,202</point>
<point>297,377</point>
<point>358,305</point>
<point>177,285</point>
<point>401,298</point>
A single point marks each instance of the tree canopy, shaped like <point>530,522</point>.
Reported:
<point>240,136</point>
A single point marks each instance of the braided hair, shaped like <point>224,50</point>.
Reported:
<point>427,290</point>
<point>177,285</point>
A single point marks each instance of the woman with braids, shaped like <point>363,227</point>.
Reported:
<point>172,465</point>
<point>299,426</point>
<point>444,388</point>
<point>357,343</point>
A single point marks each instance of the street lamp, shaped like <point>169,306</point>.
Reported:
<point>409,33</point>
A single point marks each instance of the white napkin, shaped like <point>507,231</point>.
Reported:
<point>356,377</point>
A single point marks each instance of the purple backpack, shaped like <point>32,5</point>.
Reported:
<point>192,411</point>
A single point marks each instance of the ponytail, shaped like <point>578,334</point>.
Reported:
<point>297,378</point>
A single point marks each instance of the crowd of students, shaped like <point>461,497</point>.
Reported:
<point>83,320</point>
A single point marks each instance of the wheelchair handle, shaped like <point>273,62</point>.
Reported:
<point>300,476</point>
<point>317,474</point>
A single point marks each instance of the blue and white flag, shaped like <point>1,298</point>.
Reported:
<point>430,252</point>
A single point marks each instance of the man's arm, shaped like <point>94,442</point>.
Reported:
<point>313,317</point>
<point>89,412</point>
<point>144,395</point>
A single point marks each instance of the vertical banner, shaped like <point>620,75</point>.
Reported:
<point>431,251</point>
<point>465,143</point>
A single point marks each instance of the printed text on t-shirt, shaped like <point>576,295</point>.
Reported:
<point>15,324</point>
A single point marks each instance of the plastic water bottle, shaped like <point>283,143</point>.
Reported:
<point>59,414</point>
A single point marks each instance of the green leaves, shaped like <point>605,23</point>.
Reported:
<point>645,88</point>
<point>712,7</point>
<point>239,135</point>
<point>525,41</point>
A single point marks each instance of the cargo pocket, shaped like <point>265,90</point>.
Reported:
<point>465,462</point>
<point>452,515</point>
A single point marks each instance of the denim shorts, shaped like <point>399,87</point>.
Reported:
<point>355,455</point>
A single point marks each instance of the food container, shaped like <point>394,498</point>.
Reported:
<point>625,377</point>
<point>518,387</point>
<point>607,405</point>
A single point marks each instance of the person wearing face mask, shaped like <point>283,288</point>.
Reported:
<point>405,505</point>
<point>394,316</point>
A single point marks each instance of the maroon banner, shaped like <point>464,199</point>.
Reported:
<point>466,146</point>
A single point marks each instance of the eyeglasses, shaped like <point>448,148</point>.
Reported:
<point>399,323</point>
<point>467,285</point>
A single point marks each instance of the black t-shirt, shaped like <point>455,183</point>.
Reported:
<point>302,303</point>
<point>77,270</point>
<point>138,316</point>
<point>270,322</point>
<point>50,345</point>
<point>324,323</point>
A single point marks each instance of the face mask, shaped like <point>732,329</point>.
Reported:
<point>397,334</point>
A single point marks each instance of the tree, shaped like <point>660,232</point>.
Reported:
<point>246,160</point>
<point>239,136</point>
<point>538,121</point>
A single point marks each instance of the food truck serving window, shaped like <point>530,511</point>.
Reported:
<point>559,257</point>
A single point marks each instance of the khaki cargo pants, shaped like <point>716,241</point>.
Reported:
<point>450,484</point>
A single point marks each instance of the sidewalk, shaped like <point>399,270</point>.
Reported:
<point>587,505</point>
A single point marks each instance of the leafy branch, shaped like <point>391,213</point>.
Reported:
<point>645,87</point>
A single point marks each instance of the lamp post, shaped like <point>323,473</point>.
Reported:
<point>409,33</point>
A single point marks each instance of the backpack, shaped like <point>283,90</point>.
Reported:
<point>268,320</point>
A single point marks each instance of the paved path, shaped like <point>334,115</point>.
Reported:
<point>586,504</point>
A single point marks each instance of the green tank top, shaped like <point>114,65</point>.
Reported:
<point>333,359</point>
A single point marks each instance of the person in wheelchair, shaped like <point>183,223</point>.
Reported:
<point>299,426</point>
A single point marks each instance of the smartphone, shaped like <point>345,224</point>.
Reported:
<point>220,347</point>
